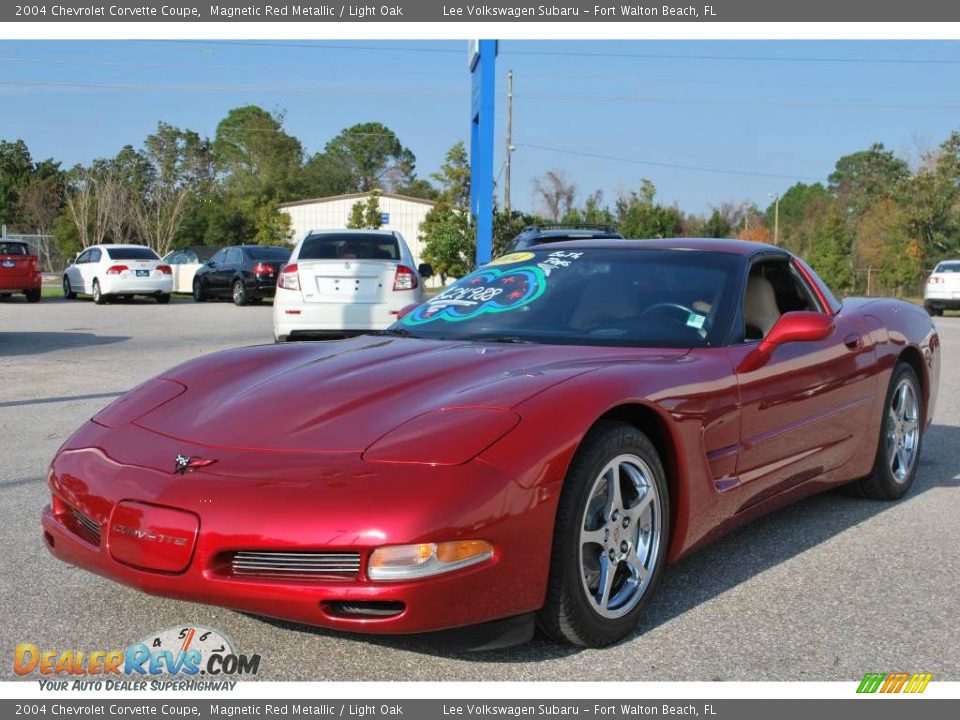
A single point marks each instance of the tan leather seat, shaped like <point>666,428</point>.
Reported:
<point>760,304</point>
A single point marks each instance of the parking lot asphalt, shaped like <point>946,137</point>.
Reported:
<point>827,589</point>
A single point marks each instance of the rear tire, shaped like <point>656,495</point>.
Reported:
<point>33,296</point>
<point>613,521</point>
<point>901,439</point>
<point>239,294</point>
<point>98,297</point>
<point>68,292</point>
<point>163,299</point>
<point>198,294</point>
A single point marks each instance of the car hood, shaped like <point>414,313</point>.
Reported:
<point>342,396</point>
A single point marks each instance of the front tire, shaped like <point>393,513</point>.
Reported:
<point>901,437</point>
<point>68,292</point>
<point>98,297</point>
<point>198,294</point>
<point>610,539</point>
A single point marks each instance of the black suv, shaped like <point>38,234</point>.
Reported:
<point>534,235</point>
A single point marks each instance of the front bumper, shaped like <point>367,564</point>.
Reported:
<point>289,502</point>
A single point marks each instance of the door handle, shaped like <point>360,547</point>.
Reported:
<point>853,342</point>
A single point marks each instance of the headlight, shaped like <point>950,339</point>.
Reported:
<point>409,562</point>
<point>446,436</point>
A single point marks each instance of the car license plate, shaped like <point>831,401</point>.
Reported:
<point>9,263</point>
<point>143,273</point>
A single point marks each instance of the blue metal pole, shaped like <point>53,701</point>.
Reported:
<point>484,78</point>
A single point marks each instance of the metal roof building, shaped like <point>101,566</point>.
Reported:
<point>398,212</point>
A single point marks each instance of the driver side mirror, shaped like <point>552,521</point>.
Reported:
<point>797,326</point>
<point>425,270</point>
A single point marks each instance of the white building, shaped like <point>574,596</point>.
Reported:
<point>398,212</point>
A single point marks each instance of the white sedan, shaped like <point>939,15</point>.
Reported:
<point>345,282</point>
<point>943,288</point>
<point>106,271</point>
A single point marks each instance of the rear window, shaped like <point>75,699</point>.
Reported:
<point>269,253</point>
<point>132,253</point>
<point>350,246</point>
<point>948,267</point>
<point>13,248</point>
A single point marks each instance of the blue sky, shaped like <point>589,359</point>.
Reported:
<point>767,112</point>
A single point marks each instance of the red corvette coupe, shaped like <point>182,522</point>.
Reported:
<point>536,442</point>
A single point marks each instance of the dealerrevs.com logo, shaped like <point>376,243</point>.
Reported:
<point>895,682</point>
<point>183,655</point>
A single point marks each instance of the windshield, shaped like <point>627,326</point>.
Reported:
<point>269,253</point>
<point>132,253</point>
<point>626,296</point>
<point>350,246</point>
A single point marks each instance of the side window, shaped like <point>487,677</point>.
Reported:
<point>218,258</point>
<point>82,258</point>
<point>773,289</point>
<point>94,256</point>
<point>234,257</point>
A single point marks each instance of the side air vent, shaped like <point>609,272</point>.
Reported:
<point>303,565</point>
<point>83,526</point>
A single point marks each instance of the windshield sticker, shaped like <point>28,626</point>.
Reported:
<point>695,321</point>
<point>556,260</point>
<point>487,291</point>
<point>511,258</point>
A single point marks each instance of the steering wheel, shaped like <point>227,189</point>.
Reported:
<point>673,307</point>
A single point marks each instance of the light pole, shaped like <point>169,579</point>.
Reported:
<point>776,217</point>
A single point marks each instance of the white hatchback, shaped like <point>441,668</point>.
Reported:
<point>106,271</point>
<point>943,288</point>
<point>345,282</point>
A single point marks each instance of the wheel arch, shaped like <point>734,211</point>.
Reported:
<point>653,424</point>
<point>914,358</point>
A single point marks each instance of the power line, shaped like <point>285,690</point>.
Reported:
<point>736,102</point>
<point>672,166</point>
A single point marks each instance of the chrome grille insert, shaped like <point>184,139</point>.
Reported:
<point>313,565</point>
<point>85,527</point>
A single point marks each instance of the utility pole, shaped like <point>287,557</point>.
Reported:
<point>509,146</point>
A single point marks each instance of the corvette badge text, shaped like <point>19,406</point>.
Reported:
<point>180,655</point>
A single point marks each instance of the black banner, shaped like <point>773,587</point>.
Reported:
<point>490,11</point>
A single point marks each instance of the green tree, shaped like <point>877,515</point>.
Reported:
<point>717,225</point>
<point>255,157</point>
<point>638,216</point>
<point>373,158</point>
<point>450,240</point>
<point>862,178</point>
<point>180,170</point>
<point>593,212</point>
<point>16,170</point>
<point>365,214</point>
<point>826,233</point>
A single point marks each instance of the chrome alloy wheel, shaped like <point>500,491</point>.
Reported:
<point>903,430</point>
<point>620,536</point>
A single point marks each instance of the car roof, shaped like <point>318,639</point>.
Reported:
<point>351,231</point>
<point>726,245</point>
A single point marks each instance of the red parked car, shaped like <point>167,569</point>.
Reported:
<point>19,270</point>
<point>536,442</point>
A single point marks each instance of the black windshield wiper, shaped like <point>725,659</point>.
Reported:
<point>399,332</point>
<point>511,339</point>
